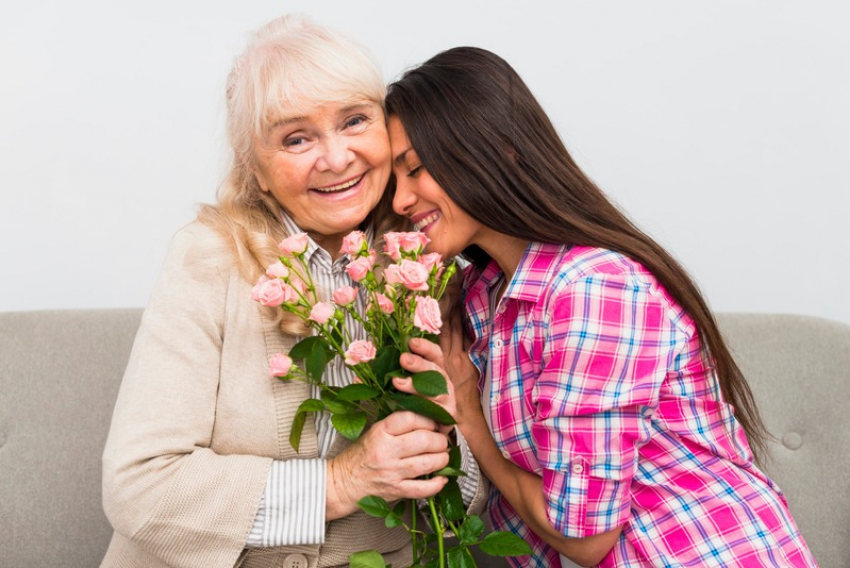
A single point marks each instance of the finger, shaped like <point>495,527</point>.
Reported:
<point>427,350</point>
<point>417,364</point>
<point>404,421</point>
<point>421,488</point>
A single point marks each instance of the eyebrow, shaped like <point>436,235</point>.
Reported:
<point>292,119</point>
<point>399,159</point>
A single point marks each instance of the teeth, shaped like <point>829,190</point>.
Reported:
<point>340,186</point>
<point>422,223</point>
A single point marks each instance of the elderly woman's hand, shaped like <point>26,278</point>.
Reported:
<point>386,462</point>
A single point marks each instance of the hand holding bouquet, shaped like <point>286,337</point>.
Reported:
<point>402,303</point>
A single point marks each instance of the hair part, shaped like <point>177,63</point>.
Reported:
<point>485,139</point>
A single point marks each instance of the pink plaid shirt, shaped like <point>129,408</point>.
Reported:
<point>601,387</point>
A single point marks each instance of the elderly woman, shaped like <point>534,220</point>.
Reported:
<point>198,469</point>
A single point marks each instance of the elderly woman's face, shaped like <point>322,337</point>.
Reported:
<point>327,167</point>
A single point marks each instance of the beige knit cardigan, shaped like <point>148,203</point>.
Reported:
<point>198,422</point>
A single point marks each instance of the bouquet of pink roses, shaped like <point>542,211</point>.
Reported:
<point>403,302</point>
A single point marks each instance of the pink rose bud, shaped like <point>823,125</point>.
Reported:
<point>322,312</point>
<point>271,292</point>
<point>277,270</point>
<point>385,304</point>
<point>344,295</point>
<point>413,275</point>
<point>431,260</point>
<point>359,268</point>
<point>294,245</point>
<point>412,242</point>
<point>353,243</point>
<point>279,365</point>
<point>427,315</point>
<point>391,245</point>
<point>359,351</point>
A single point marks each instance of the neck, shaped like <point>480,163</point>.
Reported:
<point>507,251</point>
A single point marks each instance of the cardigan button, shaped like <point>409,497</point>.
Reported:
<point>295,561</point>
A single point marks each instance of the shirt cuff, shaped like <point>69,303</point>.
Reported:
<point>292,509</point>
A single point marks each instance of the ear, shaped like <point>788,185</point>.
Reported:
<point>250,163</point>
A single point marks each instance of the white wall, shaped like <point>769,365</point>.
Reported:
<point>722,128</point>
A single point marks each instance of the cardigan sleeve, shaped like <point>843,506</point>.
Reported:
<point>163,487</point>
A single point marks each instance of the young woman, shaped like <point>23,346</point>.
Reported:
<point>611,418</point>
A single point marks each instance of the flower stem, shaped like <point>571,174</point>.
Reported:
<point>441,547</point>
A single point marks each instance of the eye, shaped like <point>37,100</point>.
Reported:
<point>294,141</point>
<point>415,171</point>
<point>356,124</point>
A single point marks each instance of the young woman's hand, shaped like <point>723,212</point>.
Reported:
<point>426,356</point>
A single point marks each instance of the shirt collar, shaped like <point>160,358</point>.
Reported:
<point>312,247</point>
<point>532,275</point>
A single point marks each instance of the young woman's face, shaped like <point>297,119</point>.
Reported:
<point>424,202</point>
<point>327,167</point>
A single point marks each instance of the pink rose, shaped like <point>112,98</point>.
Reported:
<point>413,275</point>
<point>391,274</point>
<point>412,242</point>
<point>359,268</point>
<point>279,365</point>
<point>353,243</point>
<point>359,351</point>
<point>385,304</point>
<point>391,245</point>
<point>344,295</point>
<point>322,312</point>
<point>272,292</point>
<point>431,260</point>
<point>294,245</point>
<point>277,270</point>
<point>427,315</point>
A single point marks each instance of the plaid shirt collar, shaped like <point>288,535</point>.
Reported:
<point>533,274</point>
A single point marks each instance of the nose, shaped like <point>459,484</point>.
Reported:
<point>335,154</point>
<point>404,199</point>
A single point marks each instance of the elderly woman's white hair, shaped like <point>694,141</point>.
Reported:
<point>289,66</point>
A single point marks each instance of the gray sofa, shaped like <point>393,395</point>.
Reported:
<point>60,372</point>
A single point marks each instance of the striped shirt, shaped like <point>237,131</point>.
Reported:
<point>292,510</point>
<point>600,385</point>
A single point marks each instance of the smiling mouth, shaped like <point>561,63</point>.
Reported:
<point>425,221</point>
<point>340,186</point>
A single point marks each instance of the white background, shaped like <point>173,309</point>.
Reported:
<point>722,128</point>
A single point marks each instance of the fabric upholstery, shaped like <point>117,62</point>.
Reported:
<point>60,371</point>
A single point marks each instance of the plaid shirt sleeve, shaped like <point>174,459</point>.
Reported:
<point>606,347</point>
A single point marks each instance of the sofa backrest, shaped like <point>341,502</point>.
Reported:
<point>59,378</point>
<point>60,372</point>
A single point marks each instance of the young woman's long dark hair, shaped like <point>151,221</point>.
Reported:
<point>486,140</point>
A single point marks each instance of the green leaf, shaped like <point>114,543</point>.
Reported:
<point>430,383</point>
<point>374,506</point>
<point>349,425</point>
<point>470,530</point>
<point>454,458</point>
<point>452,500</point>
<point>304,347</point>
<point>450,472</point>
<point>385,361</point>
<point>392,521</point>
<point>316,362</point>
<point>335,405</point>
<point>458,557</point>
<point>366,559</point>
<point>296,430</point>
<point>426,408</point>
<point>504,543</point>
<point>309,405</point>
<point>357,391</point>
